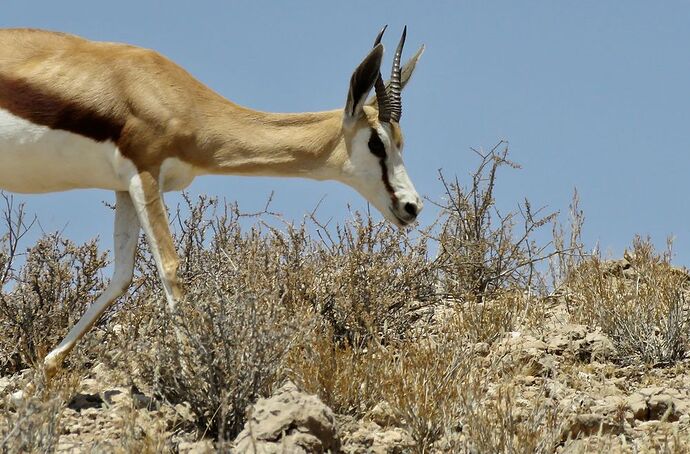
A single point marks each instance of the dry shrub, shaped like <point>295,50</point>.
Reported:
<point>34,422</point>
<point>47,294</point>
<point>370,279</point>
<point>33,427</point>
<point>498,417</point>
<point>485,255</point>
<point>222,348</point>
<point>480,250</point>
<point>420,380</point>
<point>424,386</point>
<point>640,303</point>
<point>226,356</point>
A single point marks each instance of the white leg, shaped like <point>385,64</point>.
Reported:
<point>148,202</point>
<point>126,236</point>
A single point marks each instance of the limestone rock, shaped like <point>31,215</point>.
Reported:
<point>587,424</point>
<point>595,347</point>
<point>384,415</point>
<point>577,341</point>
<point>564,337</point>
<point>525,352</point>
<point>658,403</point>
<point>198,447</point>
<point>610,405</point>
<point>288,421</point>
<point>370,438</point>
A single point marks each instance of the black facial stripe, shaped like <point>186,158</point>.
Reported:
<point>386,181</point>
<point>378,149</point>
<point>376,145</point>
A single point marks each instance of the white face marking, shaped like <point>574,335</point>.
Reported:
<point>364,173</point>
<point>37,159</point>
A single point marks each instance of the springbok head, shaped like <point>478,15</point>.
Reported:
<point>374,139</point>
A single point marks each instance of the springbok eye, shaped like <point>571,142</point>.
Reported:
<point>376,146</point>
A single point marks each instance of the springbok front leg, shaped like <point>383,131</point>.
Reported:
<point>126,236</point>
<point>148,201</point>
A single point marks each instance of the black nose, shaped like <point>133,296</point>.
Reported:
<point>411,208</point>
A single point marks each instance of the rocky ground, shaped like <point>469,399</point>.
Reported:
<point>602,406</point>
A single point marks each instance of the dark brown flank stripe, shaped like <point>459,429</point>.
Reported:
<point>46,109</point>
<point>379,150</point>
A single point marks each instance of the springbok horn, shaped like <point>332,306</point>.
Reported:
<point>380,35</point>
<point>380,88</point>
<point>395,88</point>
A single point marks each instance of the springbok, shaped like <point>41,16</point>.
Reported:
<point>82,114</point>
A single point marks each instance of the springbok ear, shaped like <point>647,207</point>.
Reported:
<point>405,73</point>
<point>361,83</point>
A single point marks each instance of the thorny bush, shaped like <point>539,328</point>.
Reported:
<point>487,258</point>
<point>44,297</point>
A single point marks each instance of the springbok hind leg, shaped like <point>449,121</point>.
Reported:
<point>126,236</point>
<point>153,217</point>
<point>148,202</point>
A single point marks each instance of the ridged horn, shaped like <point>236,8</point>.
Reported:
<point>395,87</point>
<point>380,88</point>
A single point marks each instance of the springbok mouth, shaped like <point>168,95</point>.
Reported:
<point>402,222</point>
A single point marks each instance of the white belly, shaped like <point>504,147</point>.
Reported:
<point>36,159</point>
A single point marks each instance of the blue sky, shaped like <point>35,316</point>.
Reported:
<point>591,95</point>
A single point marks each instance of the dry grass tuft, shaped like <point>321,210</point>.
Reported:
<point>424,386</point>
<point>33,427</point>
<point>34,422</point>
<point>641,303</point>
<point>421,380</point>
<point>500,417</point>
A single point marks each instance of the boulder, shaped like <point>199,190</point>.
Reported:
<point>288,421</point>
<point>524,353</point>
<point>658,403</point>
<point>594,347</point>
<point>577,341</point>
